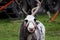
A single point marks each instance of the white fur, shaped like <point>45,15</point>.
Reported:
<point>40,35</point>
<point>31,22</point>
<point>29,17</point>
<point>31,26</point>
<point>40,32</point>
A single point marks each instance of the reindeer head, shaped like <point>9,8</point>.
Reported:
<point>30,20</point>
<point>30,23</point>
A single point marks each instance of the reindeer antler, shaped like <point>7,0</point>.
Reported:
<point>17,2</point>
<point>35,9</point>
<point>19,6</point>
<point>24,11</point>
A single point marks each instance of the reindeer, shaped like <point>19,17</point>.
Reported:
<point>32,29</point>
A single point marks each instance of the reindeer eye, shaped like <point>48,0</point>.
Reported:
<point>26,21</point>
<point>35,20</point>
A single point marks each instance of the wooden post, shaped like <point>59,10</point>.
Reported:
<point>3,7</point>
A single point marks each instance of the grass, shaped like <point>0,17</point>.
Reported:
<point>9,29</point>
<point>52,29</point>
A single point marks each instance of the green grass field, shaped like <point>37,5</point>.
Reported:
<point>9,29</point>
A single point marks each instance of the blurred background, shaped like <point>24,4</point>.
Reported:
<point>12,15</point>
